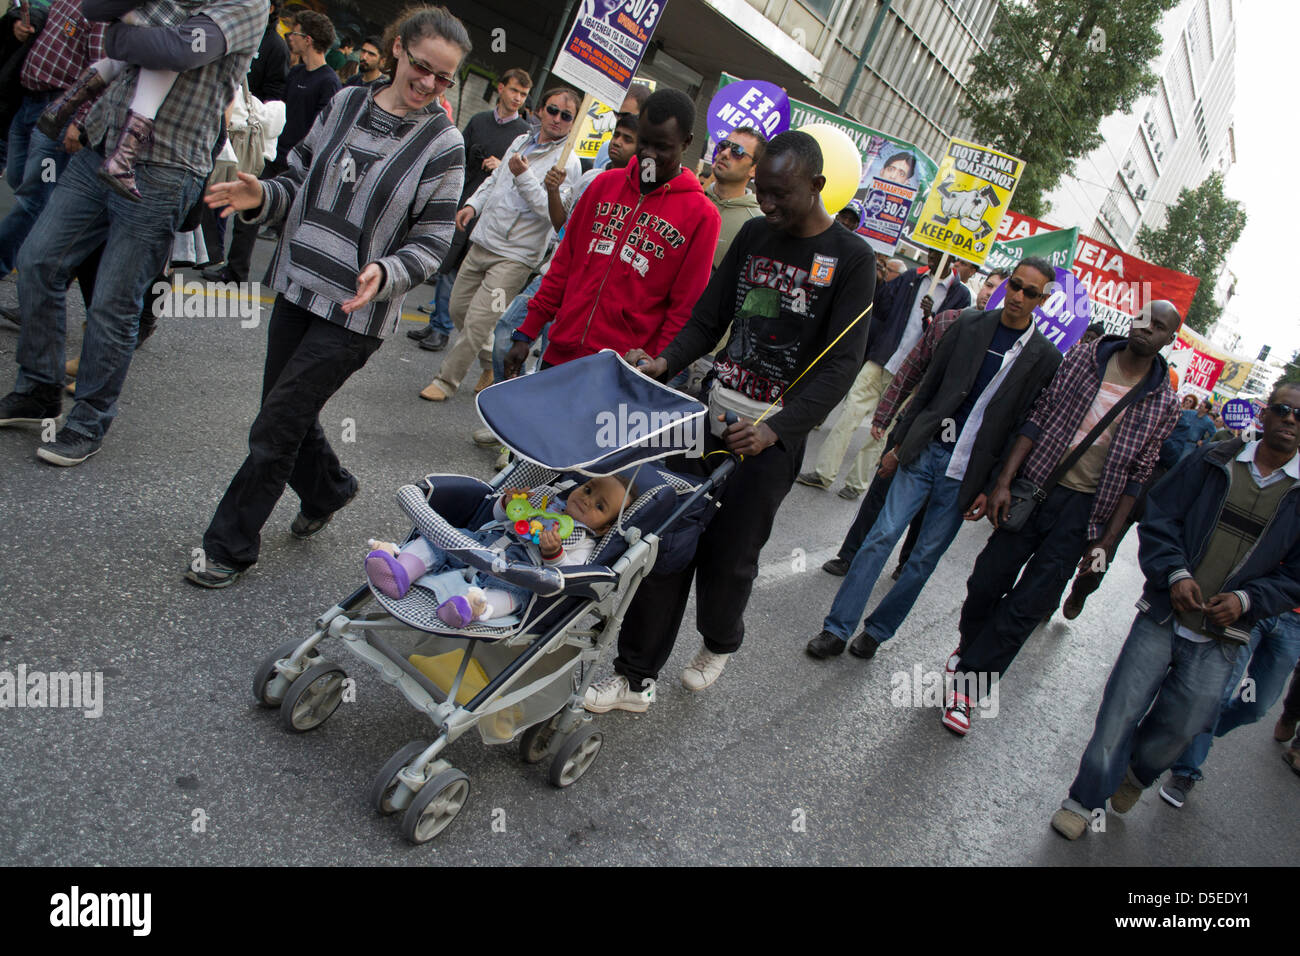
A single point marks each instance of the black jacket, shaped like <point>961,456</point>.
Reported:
<point>269,67</point>
<point>893,304</point>
<point>947,382</point>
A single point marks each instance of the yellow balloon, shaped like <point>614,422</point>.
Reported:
<point>841,164</point>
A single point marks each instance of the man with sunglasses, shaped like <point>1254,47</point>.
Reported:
<point>487,137</point>
<point>982,378</point>
<point>510,241</point>
<point>733,168</point>
<point>1220,551</point>
<point>1084,510</point>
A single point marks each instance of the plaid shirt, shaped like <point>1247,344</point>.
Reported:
<point>64,48</point>
<point>190,118</point>
<point>913,368</point>
<point>1142,428</point>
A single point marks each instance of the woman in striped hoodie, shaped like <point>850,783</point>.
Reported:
<point>367,203</point>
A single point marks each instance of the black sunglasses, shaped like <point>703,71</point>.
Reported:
<point>1283,410</point>
<point>562,114</point>
<point>736,149</point>
<point>1024,290</point>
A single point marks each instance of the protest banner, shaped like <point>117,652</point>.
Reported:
<point>1057,247</point>
<point>1240,413</point>
<point>971,192</point>
<point>1119,284</point>
<point>1063,316</point>
<point>603,51</point>
<point>756,103</point>
<point>884,214</point>
<point>883,156</point>
<point>598,125</point>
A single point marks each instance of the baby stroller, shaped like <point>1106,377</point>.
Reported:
<point>524,681</point>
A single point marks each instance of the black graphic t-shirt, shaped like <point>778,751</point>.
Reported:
<point>784,300</point>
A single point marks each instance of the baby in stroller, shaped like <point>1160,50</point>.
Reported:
<point>593,507</point>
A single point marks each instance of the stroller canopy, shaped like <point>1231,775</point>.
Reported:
<point>596,416</point>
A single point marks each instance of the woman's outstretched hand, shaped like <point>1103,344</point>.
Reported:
<point>367,285</point>
<point>245,193</point>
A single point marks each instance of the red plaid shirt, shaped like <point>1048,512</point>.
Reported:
<point>913,368</point>
<point>62,50</point>
<point>1142,429</point>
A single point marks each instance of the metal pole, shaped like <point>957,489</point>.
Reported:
<point>866,50</point>
<point>561,32</point>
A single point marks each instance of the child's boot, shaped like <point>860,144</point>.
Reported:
<point>393,576</point>
<point>119,168</point>
<point>57,114</point>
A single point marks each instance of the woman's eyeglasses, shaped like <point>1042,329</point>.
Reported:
<point>562,114</point>
<point>1030,294</point>
<point>442,79</point>
<point>736,149</point>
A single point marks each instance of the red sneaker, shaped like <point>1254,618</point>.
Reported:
<point>956,716</point>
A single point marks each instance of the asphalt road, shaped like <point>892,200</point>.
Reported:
<point>784,760</point>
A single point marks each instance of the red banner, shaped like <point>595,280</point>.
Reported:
<point>1119,284</point>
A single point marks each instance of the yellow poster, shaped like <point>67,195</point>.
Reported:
<point>1236,370</point>
<point>598,126</point>
<point>971,192</point>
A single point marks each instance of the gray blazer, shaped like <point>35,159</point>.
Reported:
<point>952,371</point>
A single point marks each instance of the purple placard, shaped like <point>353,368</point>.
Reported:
<point>1065,313</point>
<point>755,103</point>
<point>604,49</point>
<point>1238,413</point>
<point>884,214</point>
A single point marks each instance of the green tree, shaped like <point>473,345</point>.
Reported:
<point>1198,232</point>
<point>1051,72</point>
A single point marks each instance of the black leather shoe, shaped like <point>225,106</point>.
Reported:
<point>220,274</point>
<point>864,646</point>
<point>436,342</point>
<point>836,566</point>
<point>421,333</point>
<point>825,645</point>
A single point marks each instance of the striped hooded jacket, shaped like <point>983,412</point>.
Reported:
<point>355,193</point>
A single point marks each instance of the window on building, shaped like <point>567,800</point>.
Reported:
<point>820,7</point>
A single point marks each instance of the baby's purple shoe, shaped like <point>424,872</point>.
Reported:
<point>393,575</point>
<point>456,611</point>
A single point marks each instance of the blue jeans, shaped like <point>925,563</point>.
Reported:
<point>511,319</point>
<point>1162,692</point>
<point>916,482</point>
<point>1273,652</point>
<point>440,320</point>
<point>21,128</point>
<point>82,213</point>
<point>32,192</point>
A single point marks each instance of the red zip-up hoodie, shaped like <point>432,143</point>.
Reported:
<point>629,269</point>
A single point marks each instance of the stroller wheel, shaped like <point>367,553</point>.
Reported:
<point>436,805</point>
<point>268,686</point>
<point>575,757</point>
<point>384,790</point>
<point>535,743</point>
<point>313,697</point>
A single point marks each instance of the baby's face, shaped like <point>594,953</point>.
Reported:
<point>596,503</point>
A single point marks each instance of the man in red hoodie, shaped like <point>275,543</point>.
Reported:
<point>636,253</point>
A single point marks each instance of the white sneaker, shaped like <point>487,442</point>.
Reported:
<point>485,436</point>
<point>614,693</point>
<point>703,669</point>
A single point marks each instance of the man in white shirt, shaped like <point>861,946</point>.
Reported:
<point>902,310</point>
<point>509,242</point>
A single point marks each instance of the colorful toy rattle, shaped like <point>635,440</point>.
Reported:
<point>529,520</point>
